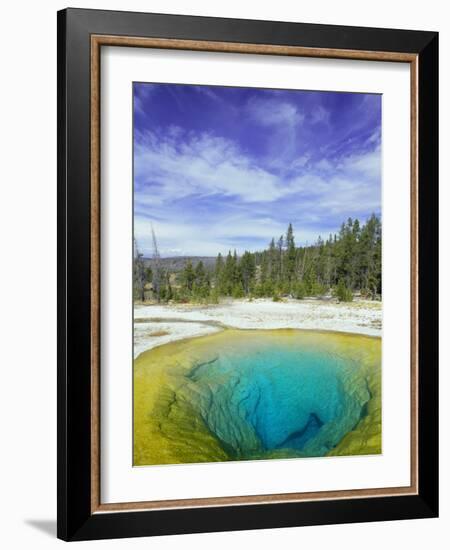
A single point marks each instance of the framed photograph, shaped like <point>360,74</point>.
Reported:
<point>247,253</point>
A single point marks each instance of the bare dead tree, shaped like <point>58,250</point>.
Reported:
<point>158,272</point>
<point>138,272</point>
<point>303,263</point>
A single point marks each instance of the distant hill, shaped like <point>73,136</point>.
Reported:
<point>177,263</point>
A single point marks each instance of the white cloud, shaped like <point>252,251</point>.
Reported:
<point>282,122</point>
<point>270,112</point>
<point>203,165</point>
<point>324,165</point>
<point>367,165</point>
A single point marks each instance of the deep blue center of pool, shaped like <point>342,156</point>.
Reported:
<point>277,398</point>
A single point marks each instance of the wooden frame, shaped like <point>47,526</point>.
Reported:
<point>81,34</point>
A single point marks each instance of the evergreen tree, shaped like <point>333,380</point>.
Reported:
<point>228,275</point>
<point>290,254</point>
<point>237,274</point>
<point>280,246</point>
<point>247,269</point>
<point>264,269</point>
<point>343,293</point>
<point>272,262</point>
<point>188,277</point>
<point>218,270</point>
<point>201,286</point>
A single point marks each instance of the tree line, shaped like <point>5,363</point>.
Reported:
<point>346,263</point>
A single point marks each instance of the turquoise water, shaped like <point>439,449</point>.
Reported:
<point>276,398</point>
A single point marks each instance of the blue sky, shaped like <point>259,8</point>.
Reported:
<point>219,168</point>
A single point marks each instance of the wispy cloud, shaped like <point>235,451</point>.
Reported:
<point>201,165</point>
<point>320,115</point>
<point>270,112</point>
<point>141,95</point>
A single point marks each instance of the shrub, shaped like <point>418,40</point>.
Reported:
<point>238,291</point>
<point>342,293</point>
<point>299,291</point>
<point>214,296</point>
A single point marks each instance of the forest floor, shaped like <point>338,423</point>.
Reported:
<point>158,324</point>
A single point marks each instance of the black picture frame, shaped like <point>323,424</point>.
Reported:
<point>75,518</point>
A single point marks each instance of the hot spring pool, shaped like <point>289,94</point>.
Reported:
<point>245,395</point>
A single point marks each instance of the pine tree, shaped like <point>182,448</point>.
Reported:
<point>264,269</point>
<point>188,276</point>
<point>228,275</point>
<point>280,246</point>
<point>237,275</point>
<point>201,284</point>
<point>343,293</point>
<point>272,261</point>
<point>247,268</point>
<point>219,266</point>
<point>290,255</point>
